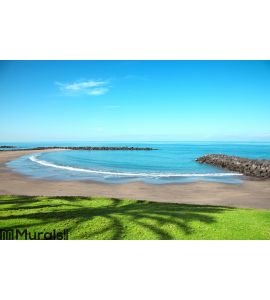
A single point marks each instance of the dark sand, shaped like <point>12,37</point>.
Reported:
<point>250,193</point>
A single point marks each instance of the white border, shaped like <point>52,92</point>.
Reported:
<point>141,29</point>
<point>135,270</point>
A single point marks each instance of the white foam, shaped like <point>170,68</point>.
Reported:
<point>48,164</point>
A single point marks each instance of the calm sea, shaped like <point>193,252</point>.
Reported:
<point>172,162</point>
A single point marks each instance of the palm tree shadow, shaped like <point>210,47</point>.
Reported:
<point>116,217</point>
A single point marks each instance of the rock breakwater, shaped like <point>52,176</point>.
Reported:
<point>250,167</point>
<point>89,148</point>
<point>96,148</point>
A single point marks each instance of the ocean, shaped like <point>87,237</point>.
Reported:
<point>170,163</point>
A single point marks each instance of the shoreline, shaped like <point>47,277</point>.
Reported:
<point>252,193</point>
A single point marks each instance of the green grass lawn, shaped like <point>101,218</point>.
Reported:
<point>103,218</point>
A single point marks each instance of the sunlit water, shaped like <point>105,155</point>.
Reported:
<point>171,163</point>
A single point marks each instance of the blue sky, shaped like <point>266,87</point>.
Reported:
<point>134,100</point>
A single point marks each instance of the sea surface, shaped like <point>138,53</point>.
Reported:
<point>170,163</point>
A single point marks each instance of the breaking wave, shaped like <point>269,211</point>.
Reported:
<point>160,175</point>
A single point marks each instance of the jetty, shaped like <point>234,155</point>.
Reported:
<point>89,148</point>
<point>250,167</point>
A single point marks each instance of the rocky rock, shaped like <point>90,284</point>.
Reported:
<point>89,148</point>
<point>96,148</point>
<point>250,167</point>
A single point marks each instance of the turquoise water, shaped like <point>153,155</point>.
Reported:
<point>172,162</point>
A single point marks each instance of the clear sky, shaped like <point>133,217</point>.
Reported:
<point>134,100</point>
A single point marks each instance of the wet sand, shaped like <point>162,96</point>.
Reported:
<point>249,194</point>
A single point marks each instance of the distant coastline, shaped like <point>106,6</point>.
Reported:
<point>89,148</point>
<point>7,147</point>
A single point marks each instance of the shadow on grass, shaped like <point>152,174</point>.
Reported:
<point>117,214</point>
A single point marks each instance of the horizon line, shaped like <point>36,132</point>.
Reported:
<point>134,141</point>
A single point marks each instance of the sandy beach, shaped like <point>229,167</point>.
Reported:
<point>249,194</point>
